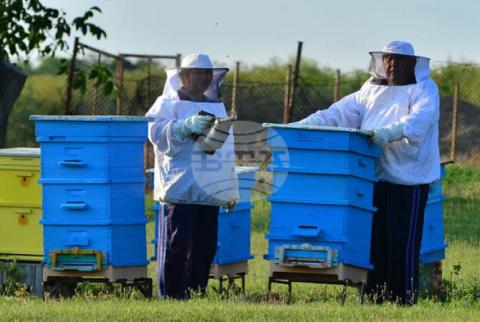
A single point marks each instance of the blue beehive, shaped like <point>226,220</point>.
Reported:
<point>233,243</point>
<point>321,197</point>
<point>433,245</point>
<point>93,191</point>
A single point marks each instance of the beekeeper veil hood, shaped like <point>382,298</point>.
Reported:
<point>195,61</point>
<point>396,47</point>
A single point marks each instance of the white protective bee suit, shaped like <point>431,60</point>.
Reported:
<point>190,184</point>
<point>183,173</point>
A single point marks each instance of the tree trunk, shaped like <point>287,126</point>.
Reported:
<point>12,80</point>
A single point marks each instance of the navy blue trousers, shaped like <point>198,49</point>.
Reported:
<point>187,242</point>
<point>396,237</point>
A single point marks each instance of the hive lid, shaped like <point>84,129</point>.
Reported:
<point>20,152</point>
<point>317,127</point>
<point>20,159</point>
<point>91,118</point>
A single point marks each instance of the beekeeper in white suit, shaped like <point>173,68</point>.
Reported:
<point>400,104</point>
<point>190,184</point>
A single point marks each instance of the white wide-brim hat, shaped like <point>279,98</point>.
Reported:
<point>398,47</point>
<point>200,61</point>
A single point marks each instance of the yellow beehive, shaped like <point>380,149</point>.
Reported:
<point>21,236</point>
<point>20,204</point>
<point>19,174</point>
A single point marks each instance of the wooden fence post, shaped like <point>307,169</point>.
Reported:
<point>71,75</point>
<point>236,78</point>
<point>453,143</point>
<point>119,76</point>
<point>95,98</point>
<point>288,96</point>
<point>336,90</point>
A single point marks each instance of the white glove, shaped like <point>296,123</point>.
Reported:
<point>195,124</point>
<point>387,134</point>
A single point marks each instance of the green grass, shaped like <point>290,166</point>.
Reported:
<point>311,302</point>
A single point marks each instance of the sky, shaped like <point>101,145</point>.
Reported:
<point>336,34</point>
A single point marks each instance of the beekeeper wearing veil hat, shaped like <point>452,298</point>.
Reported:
<point>190,184</point>
<point>400,104</point>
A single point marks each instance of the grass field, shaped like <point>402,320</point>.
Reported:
<point>311,302</point>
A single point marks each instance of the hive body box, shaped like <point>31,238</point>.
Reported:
<point>321,198</point>
<point>234,228</point>
<point>433,244</point>
<point>93,191</point>
<point>20,204</point>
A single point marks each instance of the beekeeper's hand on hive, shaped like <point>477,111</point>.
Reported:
<point>190,184</point>
<point>400,104</point>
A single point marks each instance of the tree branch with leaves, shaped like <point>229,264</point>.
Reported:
<point>28,26</point>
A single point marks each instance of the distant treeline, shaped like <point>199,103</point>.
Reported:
<point>260,91</point>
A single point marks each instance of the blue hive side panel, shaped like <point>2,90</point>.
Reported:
<point>321,140</point>
<point>433,245</point>
<point>348,227</point>
<point>92,160</point>
<point>290,219</point>
<point>234,231</point>
<point>127,240</point>
<point>234,224</point>
<point>232,250</point>
<point>308,187</point>
<point>332,161</point>
<point>124,245</point>
<point>90,204</point>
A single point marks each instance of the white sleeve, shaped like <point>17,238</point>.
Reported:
<point>347,112</point>
<point>424,113</point>
<point>160,129</point>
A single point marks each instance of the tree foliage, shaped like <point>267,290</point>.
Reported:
<point>28,26</point>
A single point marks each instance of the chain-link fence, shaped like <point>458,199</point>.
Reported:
<point>259,95</point>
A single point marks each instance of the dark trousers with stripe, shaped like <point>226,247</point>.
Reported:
<point>187,242</point>
<point>396,236</point>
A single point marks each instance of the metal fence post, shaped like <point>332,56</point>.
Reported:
<point>71,74</point>
<point>295,79</point>
<point>236,78</point>
<point>288,96</point>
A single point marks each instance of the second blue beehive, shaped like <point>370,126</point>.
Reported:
<point>321,196</point>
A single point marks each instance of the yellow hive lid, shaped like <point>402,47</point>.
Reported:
<point>20,158</point>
